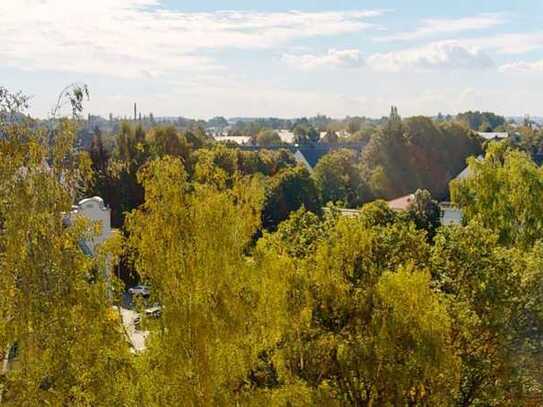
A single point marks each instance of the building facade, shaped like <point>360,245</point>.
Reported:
<point>95,210</point>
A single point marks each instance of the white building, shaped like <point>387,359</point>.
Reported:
<point>349,213</point>
<point>450,215</point>
<point>286,136</point>
<point>241,140</point>
<point>95,211</point>
<point>492,135</point>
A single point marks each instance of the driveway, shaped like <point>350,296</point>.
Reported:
<point>135,336</point>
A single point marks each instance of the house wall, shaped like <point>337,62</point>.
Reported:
<point>95,210</point>
<point>451,216</point>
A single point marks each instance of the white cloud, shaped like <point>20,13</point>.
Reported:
<point>435,26</point>
<point>522,66</point>
<point>140,38</point>
<point>334,58</point>
<point>444,55</point>
<point>510,43</point>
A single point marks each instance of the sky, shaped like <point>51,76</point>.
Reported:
<point>278,58</point>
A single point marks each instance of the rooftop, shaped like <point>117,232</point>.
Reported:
<point>402,203</point>
<point>493,135</point>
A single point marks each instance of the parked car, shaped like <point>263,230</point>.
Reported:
<point>139,290</point>
<point>154,311</point>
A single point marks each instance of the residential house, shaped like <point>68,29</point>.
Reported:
<point>95,211</point>
<point>493,136</point>
<point>402,203</point>
<point>450,215</point>
<point>350,213</point>
<point>308,155</point>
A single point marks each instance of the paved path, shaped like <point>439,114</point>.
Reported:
<point>135,336</point>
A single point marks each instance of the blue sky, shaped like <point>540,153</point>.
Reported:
<point>280,58</point>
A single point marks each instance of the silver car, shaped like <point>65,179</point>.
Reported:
<point>139,290</point>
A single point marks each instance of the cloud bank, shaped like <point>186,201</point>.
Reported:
<point>436,26</point>
<point>522,66</point>
<point>444,55</point>
<point>334,58</point>
<point>140,38</point>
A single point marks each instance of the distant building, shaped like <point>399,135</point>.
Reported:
<point>309,156</point>
<point>402,203</point>
<point>463,174</point>
<point>349,213</point>
<point>466,172</point>
<point>95,211</point>
<point>450,215</point>
<point>493,135</point>
<point>241,140</point>
<point>286,136</point>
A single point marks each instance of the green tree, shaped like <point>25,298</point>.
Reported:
<point>339,179</point>
<point>131,152</point>
<point>484,285</point>
<point>313,135</point>
<point>330,137</point>
<point>70,348</point>
<point>286,192</point>
<point>481,121</point>
<point>168,141</point>
<point>504,193</point>
<point>417,153</point>
<point>197,137</point>
<point>100,158</point>
<point>360,333</point>
<point>363,135</point>
<point>300,135</point>
<point>424,212</point>
<point>378,213</point>
<point>298,236</point>
<point>219,122</point>
<point>217,166</point>
<point>413,343</point>
<point>268,138</point>
<point>265,162</point>
<point>190,245</point>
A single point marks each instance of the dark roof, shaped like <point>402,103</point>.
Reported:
<point>311,152</point>
<point>314,154</point>
<point>538,158</point>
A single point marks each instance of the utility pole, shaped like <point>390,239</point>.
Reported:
<point>135,112</point>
